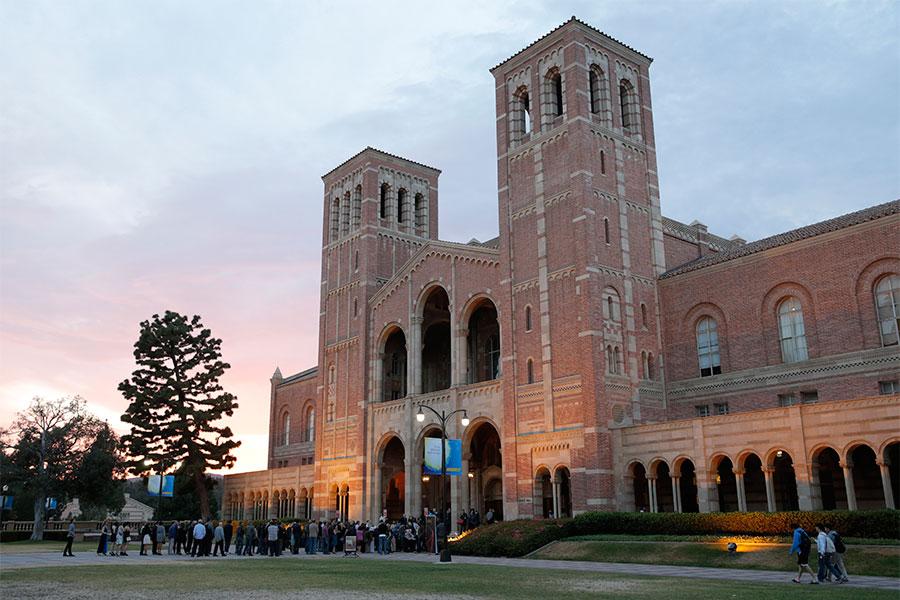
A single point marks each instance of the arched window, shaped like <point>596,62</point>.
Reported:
<point>420,215</point>
<point>645,367</point>
<point>356,260</point>
<point>355,307</point>
<point>643,315</point>
<point>492,356</point>
<point>356,208</point>
<point>552,105</point>
<point>557,92</point>
<point>310,424</point>
<point>606,230</point>
<point>617,359</point>
<point>528,318</point>
<point>708,347</point>
<point>628,105</point>
<point>345,214</point>
<point>599,90</point>
<point>887,301</point>
<point>520,121</point>
<point>529,366</point>
<point>332,394</point>
<point>602,162</point>
<point>594,83</point>
<point>401,205</point>
<point>791,331</point>
<point>335,219</point>
<point>286,429</point>
<point>383,206</point>
<point>651,367</point>
<point>610,365</point>
<point>611,307</point>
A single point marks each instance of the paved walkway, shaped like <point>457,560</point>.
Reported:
<point>54,559</point>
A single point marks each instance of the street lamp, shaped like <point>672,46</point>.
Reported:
<point>442,419</point>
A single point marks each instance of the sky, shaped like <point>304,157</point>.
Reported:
<point>168,155</point>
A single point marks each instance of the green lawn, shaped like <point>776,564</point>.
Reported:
<point>860,560</point>
<point>334,578</point>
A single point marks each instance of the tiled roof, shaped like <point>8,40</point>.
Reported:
<point>689,233</point>
<point>370,148</point>
<point>491,243</point>
<point>795,235</point>
<point>574,19</point>
<point>307,374</point>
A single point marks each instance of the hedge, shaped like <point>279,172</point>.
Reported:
<point>517,538</point>
<point>21,536</point>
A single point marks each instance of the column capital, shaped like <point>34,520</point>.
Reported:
<point>416,320</point>
<point>846,464</point>
<point>738,472</point>
<point>651,477</point>
<point>883,463</point>
<point>768,470</point>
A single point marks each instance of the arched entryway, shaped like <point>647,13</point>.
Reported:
<point>830,477</point>
<point>563,481</point>
<point>485,465</point>
<point>866,478</point>
<point>755,484</point>
<point>687,485</point>
<point>639,487</point>
<point>665,501</point>
<point>726,484</point>
<point>483,343</point>
<point>436,366</point>
<point>394,366</point>
<point>543,493</point>
<point>393,478</point>
<point>304,503</point>
<point>784,481</point>
<point>892,460</point>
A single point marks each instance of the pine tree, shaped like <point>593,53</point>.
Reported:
<point>176,401</point>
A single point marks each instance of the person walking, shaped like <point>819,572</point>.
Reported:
<point>173,536</point>
<point>126,538</point>
<point>119,549</point>
<point>198,534</point>
<point>312,537</point>
<point>239,539</point>
<point>249,538</point>
<point>801,545</point>
<point>839,549</point>
<point>825,548</point>
<point>70,537</point>
<point>219,536</point>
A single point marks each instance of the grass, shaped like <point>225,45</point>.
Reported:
<point>339,578</point>
<point>860,560</point>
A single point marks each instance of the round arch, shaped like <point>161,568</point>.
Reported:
<point>425,292</point>
<point>655,463</point>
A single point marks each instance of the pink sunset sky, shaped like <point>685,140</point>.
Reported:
<point>168,155</point>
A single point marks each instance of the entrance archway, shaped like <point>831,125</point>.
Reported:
<point>483,344</point>
<point>543,493</point>
<point>563,481</point>
<point>639,488</point>
<point>866,478</point>
<point>726,485</point>
<point>393,478</point>
<point>892,459</point>
<point>665,502</point>
<point>485,467</point>
<point>828,469</point>
<point>436,365</point>
<point>784,481</point>
<point>687,484</point>
<point>755,484</point>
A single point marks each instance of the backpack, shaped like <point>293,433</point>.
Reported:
<point>805,543</point>
<point>839,546</point>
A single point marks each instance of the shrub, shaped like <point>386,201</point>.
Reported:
<point>517,538</point>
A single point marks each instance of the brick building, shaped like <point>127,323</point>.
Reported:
<point>607,357</point>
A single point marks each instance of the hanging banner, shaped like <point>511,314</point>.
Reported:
<point>433,457</point>
<point>168,486</point>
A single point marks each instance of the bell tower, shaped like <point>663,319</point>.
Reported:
<point>581,242</point>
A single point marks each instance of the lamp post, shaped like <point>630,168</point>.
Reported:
<point>442,419</point>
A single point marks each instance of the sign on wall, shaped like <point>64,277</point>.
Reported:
<point>433,456</point>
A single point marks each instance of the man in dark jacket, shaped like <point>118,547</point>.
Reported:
<point>228,532</point>
<point>295,537</point>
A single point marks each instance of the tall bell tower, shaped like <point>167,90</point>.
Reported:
<point>581,242</point>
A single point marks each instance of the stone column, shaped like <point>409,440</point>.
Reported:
<point>707,492</point>
<point>555,499</point>
<point>808,495</point>
<point>741,495</point>
<point>676,493</point>
<point>378,499</point>
<point>848,484</point>
<point>462,362</point>
<point>885,469</point>
<point>414,356</point>
<point>651,487</point>
<point>273,507</point>
<point>768,473</point>
<point>466,485</point>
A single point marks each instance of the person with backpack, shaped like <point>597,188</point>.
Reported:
<point>825,547</point>
<point>839,549</point>
<point>801,545</point>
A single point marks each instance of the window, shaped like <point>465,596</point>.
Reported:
<point>650,366</point>
<point>356,208</point>
<point>617,359</point>
<point>597,83</point>
<point>553,96</point>
<point>528,318</point>
<point>721,409</point>
<point>785,400</point>
<point>335,219</point>
<point>610,365</point>
<point>520,122</point>
<point>286,429</point>
<point>792,398</point>
<point>332,394</point>
<point>401,205</point>
<point>791,331</point>
<point>643,315</point>
<point>645,365</point>
<point>383,208</point>
<point>557,90</point>
<point>529,365</point>
<point>885,388</point>
<point>606,229</point>
<point>809,397</point>
<point>708,347</point>
<point>345,214</point>
<point>310,424</point>
<point>702,410</point>
<point>627,103</point>
<point>355,307</point>
<point>611,307</point>
<point>356,260</point>
<point>887,300</point>
<point>602,162</point>
<point>492,356</point>
<point>419,214</point>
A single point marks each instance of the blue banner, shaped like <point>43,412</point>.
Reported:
<point>168,486</point>
<point>433,457</point>
<point>7,502</point>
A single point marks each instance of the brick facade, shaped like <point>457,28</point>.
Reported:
<point>571,340</point>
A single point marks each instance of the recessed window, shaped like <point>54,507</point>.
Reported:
<point>606,230</point>
<point>643,315</point>
<point>355,307</point>
<point>886,388</point>
<point>383,206</point>
<point>611,306</point>
<point>702,410</point>
<point>602,162</point>
<point>887,301</point>
<point>792,331</point>
<point>528,325</point>
<point>529,366</point>
<point>356,260</point>
<point>617,360</point>
<point>721,408</point>
<point>708,347</point>
<point>402,205</point>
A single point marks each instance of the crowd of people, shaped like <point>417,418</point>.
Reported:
<point>830,548</point>
<point>212,537</point>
